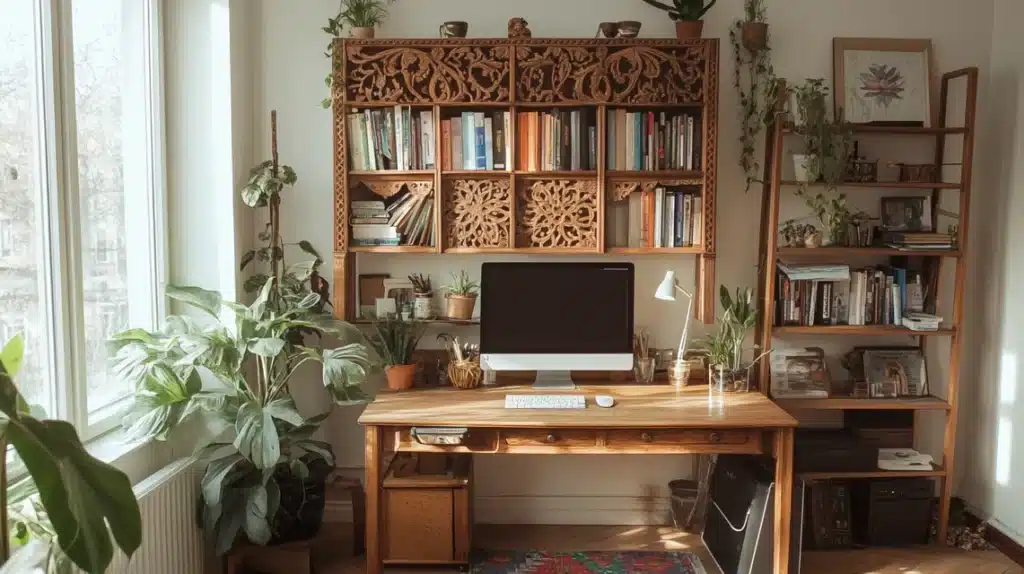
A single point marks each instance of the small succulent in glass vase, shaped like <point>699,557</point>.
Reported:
<point>728,371</point>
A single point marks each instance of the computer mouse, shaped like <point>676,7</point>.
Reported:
<point>605,401</point>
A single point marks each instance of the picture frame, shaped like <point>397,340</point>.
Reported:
<point>896,372</point>
<point>884,81</point>
<point>906,213</point>
<point>800,373</point>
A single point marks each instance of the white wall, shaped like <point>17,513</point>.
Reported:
<point>990,444</point>
<point>290,69</point>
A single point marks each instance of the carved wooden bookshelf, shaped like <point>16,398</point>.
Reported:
<point>513,211</point>
<point>771,252</point>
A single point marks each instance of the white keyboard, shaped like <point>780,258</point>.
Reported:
<point>545,402</point>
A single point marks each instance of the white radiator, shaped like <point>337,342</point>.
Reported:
<point>172,543</point>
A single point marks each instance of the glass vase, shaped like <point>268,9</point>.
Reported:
<point>643,370</point>
<point>721,379</point>
<point>679,373</point>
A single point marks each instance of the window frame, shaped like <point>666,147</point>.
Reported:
<point>61,240</point>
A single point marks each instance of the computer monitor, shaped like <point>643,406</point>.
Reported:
<point>556,317</point>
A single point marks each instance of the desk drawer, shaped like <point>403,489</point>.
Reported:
<point>713,439</point>
<point>549,438</point>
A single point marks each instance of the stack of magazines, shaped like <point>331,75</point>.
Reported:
<point>918,240</point>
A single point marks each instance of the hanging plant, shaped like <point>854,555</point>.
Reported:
<point>755,82</point>
<point>333,28</point>
<point>827,143</point>
<point>754,29</point>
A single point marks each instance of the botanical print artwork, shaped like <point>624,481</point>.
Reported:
<point>886,87</point>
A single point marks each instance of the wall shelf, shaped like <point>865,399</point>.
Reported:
<point>876,473</point>
<point>834,252</point>
<point>852,404</point>
<point>880,184</point>
<point>859,330</point>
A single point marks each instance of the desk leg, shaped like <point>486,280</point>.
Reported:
<point>783,497</point>
<point>374,456</point>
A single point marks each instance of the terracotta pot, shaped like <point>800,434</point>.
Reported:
<point>400,377</point>
<point>689,29</point>
<point>460,307</point>
<point>755,36</point>
<point>363,33</point>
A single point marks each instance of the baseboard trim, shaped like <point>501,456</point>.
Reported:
<point>1001,536</point>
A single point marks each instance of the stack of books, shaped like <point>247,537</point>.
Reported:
<point>403,219</point>
<point>391,139</point>
<point>649,141</point>
<point>564,140</point>
<point>918,240</point>
<point>664,217</point>
<point>835,295</point>
<point>921,322</point>
<point>476,141</point>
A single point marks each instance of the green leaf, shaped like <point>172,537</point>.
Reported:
<point>344,370</point>
<point>260,304</point>
<point>86,499</point>
<point>284,409</point>
<point>257,525</point>
<point>252,196</point>
<point>299,469</point>
<point>247,259</point>
<point>257,438</point>
<point>266,347</point>
<point>309,301</point>
<point>209,301</point>
<point>308,248</point>
<point>255,282</point>
<point>213,480</point>
<point>11,356</point>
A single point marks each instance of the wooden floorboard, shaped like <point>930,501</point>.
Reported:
<point>920,560</point>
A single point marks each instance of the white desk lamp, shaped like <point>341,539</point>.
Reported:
<point>667,292</point>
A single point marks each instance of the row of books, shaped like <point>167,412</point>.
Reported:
<point>476,141</point>
<point>872,296</point>
<point>403,219</point>
<point>395,139</point>
<point>653,141</point>
<point>665,217</point>
<point>563,140</point>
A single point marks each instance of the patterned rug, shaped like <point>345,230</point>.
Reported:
<point>538,562</point>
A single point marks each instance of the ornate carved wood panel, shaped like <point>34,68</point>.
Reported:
<point>428,72</point>
<point>557,213</point>
<point>477,213</point>
<point>634,73</point>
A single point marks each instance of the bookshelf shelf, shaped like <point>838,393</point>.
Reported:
<point>859,330</point>
<point>876,473</point>
<point>837,252</point>
<point>653,250</point>
<point>852,404</point>
<point>882,185</point>
<point>927,272</point>
<point>437,321</point>
<point>516,84</point>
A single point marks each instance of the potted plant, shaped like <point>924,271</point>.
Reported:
<point>800,234</point>
<point>755,82</point>
<point>80,508</point>
<point>395,339</point>
<point>727,370</point>
<point>686,14</point>
<point>233,366</point>
<point>827,144</point>
<point>834,214</point>
<point>754,29</point>
<point>461,296</point>
<point>363,16</point>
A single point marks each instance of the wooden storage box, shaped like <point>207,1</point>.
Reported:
<point>427,506</point>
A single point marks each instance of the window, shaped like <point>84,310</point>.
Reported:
<point>81,194</point>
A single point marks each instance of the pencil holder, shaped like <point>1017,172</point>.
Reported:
<point>464,374</point>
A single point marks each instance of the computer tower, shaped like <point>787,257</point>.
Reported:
<point>739,531</point>
<point>893,512</point>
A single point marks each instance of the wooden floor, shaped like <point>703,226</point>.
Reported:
<point>924,560</point>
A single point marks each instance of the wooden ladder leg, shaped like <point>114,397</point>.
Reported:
<point>783,498</point>
<point>373,454</point>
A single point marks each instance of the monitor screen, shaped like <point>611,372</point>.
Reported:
<point>557,308</point>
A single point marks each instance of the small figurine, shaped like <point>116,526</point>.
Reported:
<point>519,28</point>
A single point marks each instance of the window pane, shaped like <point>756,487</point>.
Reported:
<point>113,172</point>
<point>23,252</point>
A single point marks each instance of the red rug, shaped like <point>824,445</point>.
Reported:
<point>538,562</point>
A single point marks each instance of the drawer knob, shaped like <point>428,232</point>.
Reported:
<point>646,437</point>
<point>715,437</point>
<point>552,439</point>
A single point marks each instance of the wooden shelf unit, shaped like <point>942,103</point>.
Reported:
<point>514,211</point>
<point>771,252</point>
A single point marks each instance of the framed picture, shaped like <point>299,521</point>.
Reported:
<point>800,373</point>
<point>906,214</point>
<point>896,372</point>
<point>883,81</point>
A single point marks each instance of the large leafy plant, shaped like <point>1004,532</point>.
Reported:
<point>683,9</point>
<point>79,502</point>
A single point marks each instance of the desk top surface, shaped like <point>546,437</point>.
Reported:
<point>636,406</point>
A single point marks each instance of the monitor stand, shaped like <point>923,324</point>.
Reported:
<point>554,381</point>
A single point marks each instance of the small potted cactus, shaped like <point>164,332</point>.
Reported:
<point>687,15</point>
<point>461,296</point>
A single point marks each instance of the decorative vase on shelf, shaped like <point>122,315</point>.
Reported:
<point>724,380</point>
<point>363,33</point>
<point>460,306</point>
<point>423,306</point>
<point>400,377</point>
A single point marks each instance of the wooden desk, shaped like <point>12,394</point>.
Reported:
<point>644,420</point>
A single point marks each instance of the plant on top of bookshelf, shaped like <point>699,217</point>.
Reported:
<point>727,370</point>
<point>755,82</point>
<point>827,143</point>
<point>461,295</point>
<point>333,28</point>
<point>686,14</point>
<point>364,15</point>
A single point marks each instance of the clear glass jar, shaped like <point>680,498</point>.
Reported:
<point>723,380</point>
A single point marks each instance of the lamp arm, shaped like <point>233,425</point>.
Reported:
<point>686,324</point>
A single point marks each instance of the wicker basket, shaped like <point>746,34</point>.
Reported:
<point>465,374</point>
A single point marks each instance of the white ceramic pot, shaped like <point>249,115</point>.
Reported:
<point>801,167</point>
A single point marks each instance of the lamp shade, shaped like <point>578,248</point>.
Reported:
<point>667,290</point>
